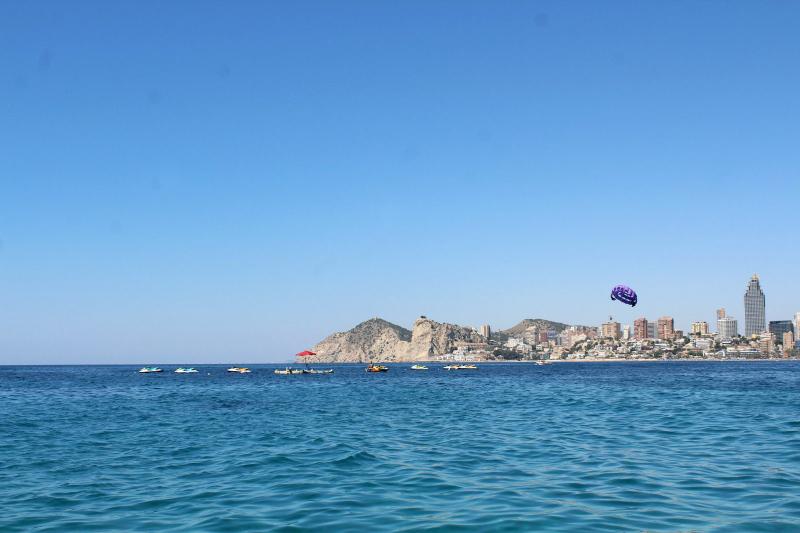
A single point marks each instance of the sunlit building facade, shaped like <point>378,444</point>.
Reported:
<point>611,329</point>
<point>666,328</point>
<point>727,327</point>
<point>640,329</point>
<point>788,341</point>
<point>754,304</point>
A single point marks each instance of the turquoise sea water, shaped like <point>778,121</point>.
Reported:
<point>564,447</point>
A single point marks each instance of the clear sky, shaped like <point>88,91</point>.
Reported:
<point>232,181</point>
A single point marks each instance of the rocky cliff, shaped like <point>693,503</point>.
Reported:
<point>375,339</point>
<point>379,340</point>
<point>430,338</point>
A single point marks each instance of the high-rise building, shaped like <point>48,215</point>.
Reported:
<point>796,326</point>
<point>626,332</point>
<point>720,313</point>
<point>779,327</point>
<point>700,328</point>
<point>640,329</point>
<point>666,327</point>
<point>611,329</point>
<point>652,330</point>
<point>754,321</point>
<point>486,331</point>
<point>727,327</point>
<point>788,341</point>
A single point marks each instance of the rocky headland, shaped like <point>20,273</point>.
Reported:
<point>379,340</point>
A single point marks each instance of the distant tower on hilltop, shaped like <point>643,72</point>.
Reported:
<point>486,331</point>
<point>754,304</point>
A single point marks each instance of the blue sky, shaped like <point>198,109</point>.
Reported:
<point>218,182</point>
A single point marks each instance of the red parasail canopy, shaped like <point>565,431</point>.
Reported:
<point>305,354</point>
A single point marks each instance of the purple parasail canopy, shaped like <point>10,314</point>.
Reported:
<point>625,295</point>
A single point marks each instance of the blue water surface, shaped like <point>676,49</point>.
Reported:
<point>711,446</point>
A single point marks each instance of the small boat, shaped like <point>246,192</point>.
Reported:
<point>461,367</point>
<point>288,371</point>
<point>186,370</point>
<point>316,371</point>
<point>150,370</point>
<point>419,367</point>
<point>377,368</point>
<point>239,369</point>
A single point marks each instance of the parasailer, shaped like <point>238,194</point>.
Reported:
<point>625,295</point>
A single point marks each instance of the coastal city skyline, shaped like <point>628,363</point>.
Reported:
<point>645,338</point>
<point>725,324</point>
<point>754,312</point>
<point>539,339</point>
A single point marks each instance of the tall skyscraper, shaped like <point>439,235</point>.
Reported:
<point>700,328</point>
<point>626,332</point>
<point>640,329</point>
<point>754,321</point>
<point>727,327</point>
<point>666,327</point>
<point>486,331</point>
<point>779,327</point>
<point>652,330</point>
<point>720,313</point>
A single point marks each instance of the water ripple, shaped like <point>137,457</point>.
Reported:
<point>571,447</point>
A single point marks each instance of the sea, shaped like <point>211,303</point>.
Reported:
<point>624,446</point>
